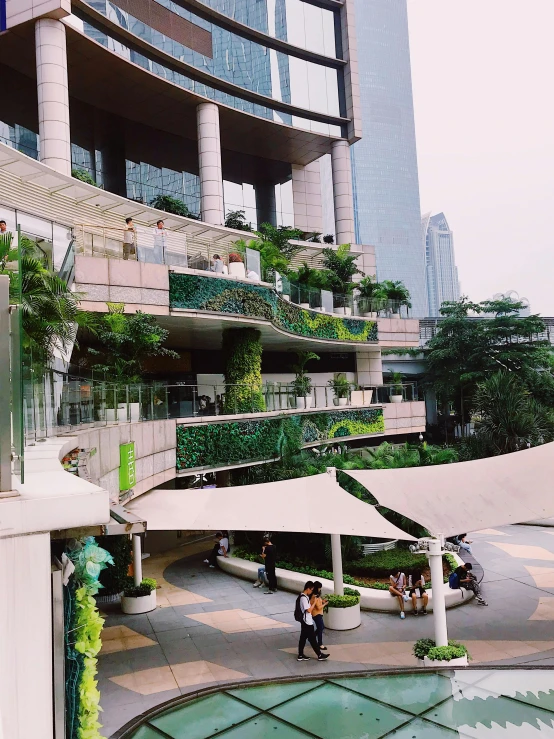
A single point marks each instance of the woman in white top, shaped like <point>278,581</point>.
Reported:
<point>397,589</point>
<point>159,243</point>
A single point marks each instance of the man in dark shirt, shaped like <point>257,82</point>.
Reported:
<point>269,555</point>
<point>468,581</point>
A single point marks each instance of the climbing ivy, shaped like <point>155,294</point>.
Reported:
<point>195,292</point>
<point>242,356</point>
<point>234,442</point>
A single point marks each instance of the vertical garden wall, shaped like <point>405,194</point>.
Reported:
<point>242,357</point>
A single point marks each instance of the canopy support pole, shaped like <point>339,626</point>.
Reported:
<point>439,602</point>
<point>336,554</point>
<point>336,551</point>
<point>137,560</point>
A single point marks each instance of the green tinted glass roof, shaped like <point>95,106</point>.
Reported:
<point>478,704</point>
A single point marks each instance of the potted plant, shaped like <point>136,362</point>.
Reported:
<point>396,389</point>
<point>372,297</point>
<point>398,295</point>
<point>361,396</point>
<point>139,598</point>
<point>236,265</point>
<point>341,388</point>
<point>342,612</point>
<point>454,655</point>
<point>302,384</point>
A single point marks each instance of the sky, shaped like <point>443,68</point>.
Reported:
<point>484,108</point>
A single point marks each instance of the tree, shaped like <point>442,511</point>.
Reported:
<point>342,267</point>
<point>280,237</point>
<point>172,205</point>
<point>125,341</point>
<point>237,219</point>
<point>467,349</point>
<point>509,417</point>
<point>84,176</point>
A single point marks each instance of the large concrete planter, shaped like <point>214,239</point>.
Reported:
<point>121,414</point>
<point>134,409</point>
<point>342,619</point>
<point>361,397</point>
<point>459,662</point>
<point>142,604</point>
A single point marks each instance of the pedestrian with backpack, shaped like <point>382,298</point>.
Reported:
<point>462,577</point>
<point>303,614</point>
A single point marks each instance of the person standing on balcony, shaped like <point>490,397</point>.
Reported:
<point>3,227</point>
<point>129,238</point>
<point>160,235</point>
<point>269,557</point>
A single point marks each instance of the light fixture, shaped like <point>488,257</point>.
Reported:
<point>420,436</point>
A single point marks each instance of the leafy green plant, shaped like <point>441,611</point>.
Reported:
<point>427,648</point>
<point>146,586</point>
<point>83,176</point>
<point>302,384</point>
<point>280,237</point>
<point>237,219</point>
<point>373,297</point>
<point>124,342</point>
<point>342,601</point>
<point>341,386</point>
<point>172,205</point>
<point>342,267</point>
<point>397,293</point>
<point>395,380</point>
<point>242,357</point>
<point>114,579</point>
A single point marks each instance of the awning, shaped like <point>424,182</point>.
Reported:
<point>316,505</point>
<point>466,496</point>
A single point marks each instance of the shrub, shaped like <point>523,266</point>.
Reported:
<point>242,355</point>
<point>342,601</point>
<point>383,564</point>
<point>447,653</point>
<point>172,205</point>
<point>84,176</point>
<point>427,648</point>
<point>147,585</point>
<point>114,579</point>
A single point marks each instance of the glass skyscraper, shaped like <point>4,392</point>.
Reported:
<point>442,273</point>
<point>386,189</point>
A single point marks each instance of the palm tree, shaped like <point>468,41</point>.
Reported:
<point>397,293</point>
<point>510,418</point>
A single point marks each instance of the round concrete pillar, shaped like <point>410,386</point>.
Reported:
<point>53,94</point>
<point>209,161</point>
<point>342,192</point>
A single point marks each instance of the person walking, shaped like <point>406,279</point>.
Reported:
<point>269,556</point>
<point>318,604</point>
<point>303,614</point>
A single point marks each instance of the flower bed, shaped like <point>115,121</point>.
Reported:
<point>195,292</point>
<point>259,439</point>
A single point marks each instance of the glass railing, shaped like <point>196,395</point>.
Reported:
<point>56,404</point>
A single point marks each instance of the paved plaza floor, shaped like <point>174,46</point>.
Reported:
<point>212,628</point>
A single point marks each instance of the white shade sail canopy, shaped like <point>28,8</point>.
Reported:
<point>450,499</point>
<point>316,505</point>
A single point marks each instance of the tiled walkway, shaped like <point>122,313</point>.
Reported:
<point>213,628</point>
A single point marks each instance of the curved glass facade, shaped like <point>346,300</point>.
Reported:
<point>237,60</point>
<point>300,23</point>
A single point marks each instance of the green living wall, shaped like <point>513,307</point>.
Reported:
<point>213,444</point>
<point>195,292</point>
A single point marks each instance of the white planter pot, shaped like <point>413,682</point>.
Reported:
<point>342,619</point>
<point>343,401</point>
<point>395,315</point>
<point>306,306</point>
<point>304,402</point>
<point>370,315</point>
<point>361,397</point>
<point>286,297</point>
<point>121,414</point>
<point>339,311</point>
<point>144,604</point>
<point>395,398</point>
<point>135,411</point>
<point>348,311</point>
<point>237,269</point>
<point>459,662</point>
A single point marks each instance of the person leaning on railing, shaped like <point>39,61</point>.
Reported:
<point>129,239</point>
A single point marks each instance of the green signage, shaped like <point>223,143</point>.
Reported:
<point>127,469</point>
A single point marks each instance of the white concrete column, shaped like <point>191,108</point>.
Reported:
<point>137,560</point>
<point>209,162</point>
<point>439,603</point>
<point>336,556</point>
<point>53,94</point>
<point>342,192</point>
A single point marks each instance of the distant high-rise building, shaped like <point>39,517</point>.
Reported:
<point>442,273</point>
<point>386,188</point>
